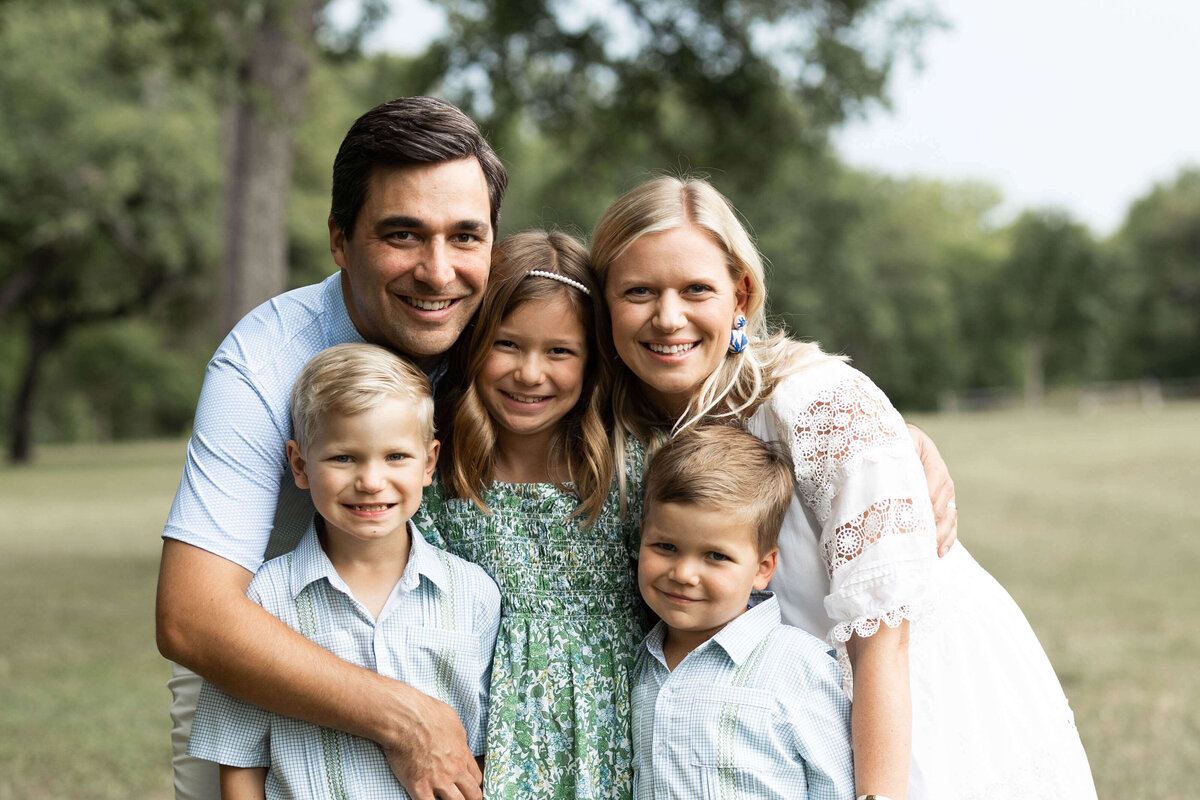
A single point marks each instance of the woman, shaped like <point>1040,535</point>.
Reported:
<point>974,710</point>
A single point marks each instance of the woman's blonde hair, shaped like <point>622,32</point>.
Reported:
<point>743,380</point>
<point>581,441</point>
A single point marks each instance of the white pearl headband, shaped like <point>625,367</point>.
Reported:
<point>541,273</point>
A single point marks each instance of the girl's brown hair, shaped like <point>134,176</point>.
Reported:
<point>581,444</point>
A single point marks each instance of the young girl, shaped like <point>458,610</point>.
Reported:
<point>953,696</point>
<point>524,492</point>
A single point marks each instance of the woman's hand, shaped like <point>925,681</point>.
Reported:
<point>941,489</point>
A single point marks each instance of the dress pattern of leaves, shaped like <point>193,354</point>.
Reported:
<point>571,622</point>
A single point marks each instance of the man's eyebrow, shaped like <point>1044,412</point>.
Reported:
<point>399,222</point>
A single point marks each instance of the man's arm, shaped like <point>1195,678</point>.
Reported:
<point>206,623</point>
<point>243,783</point>
<point>941,488</point>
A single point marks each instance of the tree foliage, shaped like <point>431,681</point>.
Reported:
<point>105,181</point>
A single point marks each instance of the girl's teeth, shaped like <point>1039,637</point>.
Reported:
<point>671,349</point>
<point>524,398</point>
<point>428,305</point>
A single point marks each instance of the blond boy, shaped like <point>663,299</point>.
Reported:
<point>363,583</point>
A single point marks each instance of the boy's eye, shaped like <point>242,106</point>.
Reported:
<point>667,546</point>
<point>341,459</point>
<point>715,556</point>
<point>396,456</point>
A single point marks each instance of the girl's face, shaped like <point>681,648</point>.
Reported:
<point>673,303</point>
<point>533,375</point>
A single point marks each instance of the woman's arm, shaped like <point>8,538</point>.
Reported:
<point>881,715</point>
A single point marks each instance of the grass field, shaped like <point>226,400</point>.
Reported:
<point>1091,523</point>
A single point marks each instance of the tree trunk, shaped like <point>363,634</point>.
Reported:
<point>41,341</point>
<point>1035,372</point>
<point>268,103</point>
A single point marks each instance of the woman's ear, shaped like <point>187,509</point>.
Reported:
<point>743,289</point>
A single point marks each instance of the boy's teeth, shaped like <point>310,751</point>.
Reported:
<point>428,305</point>
<point>671,349</point>
<point>377,507</point>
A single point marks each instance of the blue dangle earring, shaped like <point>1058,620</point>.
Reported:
<point>738,341</point>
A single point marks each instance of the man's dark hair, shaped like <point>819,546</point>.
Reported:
<point>402,132</point>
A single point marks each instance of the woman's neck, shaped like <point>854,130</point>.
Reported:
<point>526,459</point>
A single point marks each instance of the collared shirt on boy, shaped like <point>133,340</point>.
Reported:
<point>436,633</point>
<point>757,711</point>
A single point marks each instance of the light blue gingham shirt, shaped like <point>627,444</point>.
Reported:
<point>757,712</point>
<point>437,633</point>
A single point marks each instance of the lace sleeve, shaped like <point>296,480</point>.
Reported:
<point>857,471</point>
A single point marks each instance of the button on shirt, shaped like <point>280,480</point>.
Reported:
<point>757,711</point>
<point>436,633</point>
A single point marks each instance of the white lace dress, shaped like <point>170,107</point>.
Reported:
<point>858,548</point>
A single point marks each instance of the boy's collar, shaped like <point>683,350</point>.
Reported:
<point>309,563</point>
<point>739,637</point>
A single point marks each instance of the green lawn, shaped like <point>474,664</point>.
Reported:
<point>1089,521</point>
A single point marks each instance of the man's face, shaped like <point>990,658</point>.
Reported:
<point>415,266</point>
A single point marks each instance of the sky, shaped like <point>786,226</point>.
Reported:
<point>1081,105</point>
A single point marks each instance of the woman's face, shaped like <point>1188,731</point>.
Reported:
<point>673,303</point>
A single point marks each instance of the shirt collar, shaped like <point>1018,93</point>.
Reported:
<point>341,327</point>
<point>310,564</point>
<point>739,637</point>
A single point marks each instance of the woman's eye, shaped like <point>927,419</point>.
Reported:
<point>699,288</point>
<point>637,291</point>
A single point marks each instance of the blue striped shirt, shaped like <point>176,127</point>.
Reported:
<point>436,633</point>
<point>757,712</point>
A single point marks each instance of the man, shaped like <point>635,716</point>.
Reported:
<point>416,198</point>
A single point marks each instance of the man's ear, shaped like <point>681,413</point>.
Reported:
<point>337,243</point>
<point>296,461</point>
<point>766,568</point>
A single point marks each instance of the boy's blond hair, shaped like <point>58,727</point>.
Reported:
<point>725,468</point>
<point>353,378</point>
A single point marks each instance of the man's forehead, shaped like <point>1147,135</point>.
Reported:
<point>445,185</point>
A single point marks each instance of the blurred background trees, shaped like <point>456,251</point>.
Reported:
<point>164,166</point>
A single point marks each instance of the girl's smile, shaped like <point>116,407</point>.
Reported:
<point>533,376</point>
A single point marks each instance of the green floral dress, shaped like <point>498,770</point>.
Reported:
<point>559,709</point>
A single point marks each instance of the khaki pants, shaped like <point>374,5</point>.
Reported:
<point>194,779</point>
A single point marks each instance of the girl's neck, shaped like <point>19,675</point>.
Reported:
<point>526,459</point>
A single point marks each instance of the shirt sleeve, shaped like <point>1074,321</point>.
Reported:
<point>227,730</point>
<point>487,622</point>
<point>821,727</point>
<point>230,731</point>
<point>232,475</point>
<point>857,471</point>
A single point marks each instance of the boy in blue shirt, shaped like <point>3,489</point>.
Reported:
<point>362,583</point>
<point>727,701</point>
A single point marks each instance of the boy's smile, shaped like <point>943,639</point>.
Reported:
<point>697,567</point>
<point>366,470</point>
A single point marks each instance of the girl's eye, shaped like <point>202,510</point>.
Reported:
<point>561,351</point>
<point>505,344</point>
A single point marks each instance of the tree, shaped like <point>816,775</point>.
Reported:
<point>261,53</point>
<point>1054,296</point>
<point>104,181</point>
<point>1159,246</point>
